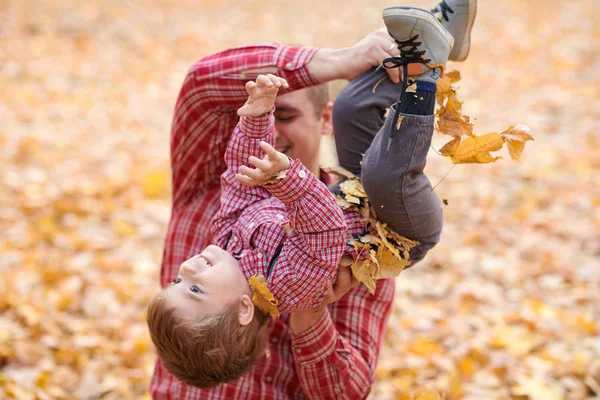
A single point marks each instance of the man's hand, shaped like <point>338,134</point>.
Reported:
<point>261,95</point>
<point>272,163</point>
<point>303,320</point>
<point>350,62</point>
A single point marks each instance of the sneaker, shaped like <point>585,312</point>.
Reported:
<point>423,42</point>
<point>457,16</point>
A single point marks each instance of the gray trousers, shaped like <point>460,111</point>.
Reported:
<point>393,177</point>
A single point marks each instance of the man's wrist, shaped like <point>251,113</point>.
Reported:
<point>301,321</point>
<point>328,64</point>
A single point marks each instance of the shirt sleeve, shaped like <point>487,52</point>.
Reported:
<point>205,111</point>
<point>314,243</point>
<point>235,197</point>
<point>336,358</point>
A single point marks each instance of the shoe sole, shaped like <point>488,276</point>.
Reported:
<point>466,44</point>
<point>421,14</point>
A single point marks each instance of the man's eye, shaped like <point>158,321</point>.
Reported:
<point>176,280</point>
<point>285,118</point>
<point>195,289</point>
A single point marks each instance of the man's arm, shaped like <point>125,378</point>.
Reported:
<point>205,112</point>
<point>336,348</point>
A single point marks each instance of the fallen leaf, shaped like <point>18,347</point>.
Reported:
<point>515,138</point>
<point>476,149</point>
<point>262,297</point>
<point>536,389</point>
<point>353,187</point>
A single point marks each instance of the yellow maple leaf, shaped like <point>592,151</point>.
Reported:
<point>452,122</point>
<point>365,271</point>
<point>262,297</point>
<point>517,340</point>
<point>155,183</point>
<point>515,138</point>
<point>536,389</point>
<point>424,347</point>
<point>444,85</point>
<point>474,149</point>
<point>426,394</point>
<point>390,266</point>
<point>352,200</point>
<point>353,188</point>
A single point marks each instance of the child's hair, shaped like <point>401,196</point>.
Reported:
<point>206,352</point>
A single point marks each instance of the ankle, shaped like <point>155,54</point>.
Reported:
<point>419,102</point>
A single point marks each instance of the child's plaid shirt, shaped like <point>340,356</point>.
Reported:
<point>292,231</point>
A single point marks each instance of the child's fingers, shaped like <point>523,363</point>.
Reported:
<point>284,83</point>
<point>258,163</point>
<point>275,80</point>
<point>263,80</point>
<point>245,180</point>
<point>252,173</point>
<point>250,85</point>
<point>267,148</point>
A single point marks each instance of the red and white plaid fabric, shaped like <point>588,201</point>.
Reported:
<point>334,359</point>
<point>300,264</point>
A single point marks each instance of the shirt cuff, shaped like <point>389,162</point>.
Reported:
<point>298,180</point>
<point>294,59</point>
<point>315,343</point>
<point>257,127</point>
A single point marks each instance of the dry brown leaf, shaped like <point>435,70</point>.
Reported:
<point>262,297</point>
<point>476,149</point>
<point>515,138</point>
<point>353,188</point>
<point>365,271</point>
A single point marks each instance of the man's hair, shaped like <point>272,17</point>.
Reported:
<point>206,352</point>
<point>319,97</point>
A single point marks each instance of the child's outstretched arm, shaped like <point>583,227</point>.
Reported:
<point>315,232</point>
<point>256,125</point>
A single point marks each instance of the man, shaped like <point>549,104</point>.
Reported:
<point>330,352</point>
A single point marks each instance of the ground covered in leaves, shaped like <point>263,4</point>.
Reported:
<point>508,304</point>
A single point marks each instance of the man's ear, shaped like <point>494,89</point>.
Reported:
<point>246,312</point>
<point>327,127</point>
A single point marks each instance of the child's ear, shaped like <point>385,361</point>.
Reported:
<point>246,310</point>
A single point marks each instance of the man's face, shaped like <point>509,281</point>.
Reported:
<point>298,129</point>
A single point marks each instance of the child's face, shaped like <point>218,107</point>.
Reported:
<point>207,283</point>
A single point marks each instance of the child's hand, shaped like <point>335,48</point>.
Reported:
<point>261,95</point>
<point>266,168</point>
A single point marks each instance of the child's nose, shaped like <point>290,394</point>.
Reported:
<point>190,268</point>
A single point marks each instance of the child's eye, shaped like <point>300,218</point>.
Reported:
<point>195,289</point>
<point>176,280</point>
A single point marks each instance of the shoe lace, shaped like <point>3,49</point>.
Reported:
<point>444,8</point>
<point>408,55</point>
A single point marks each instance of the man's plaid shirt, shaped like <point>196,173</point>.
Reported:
<point>334,359</point>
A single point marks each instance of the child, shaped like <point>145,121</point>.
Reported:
<point>289,228</point>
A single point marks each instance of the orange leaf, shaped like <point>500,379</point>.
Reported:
<point>475,149</point>
<point>451,122</point>
<point>262,297</point>
<point>515,138</point>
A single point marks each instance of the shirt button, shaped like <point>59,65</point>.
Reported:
<point>259,254</point>
<point>279,217</point>
<point>302,174</point>
<point>297,350</point>
<point>274,339</point>
<point>289,66</point>
<point>269,379</point>
<point>251,225</point>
